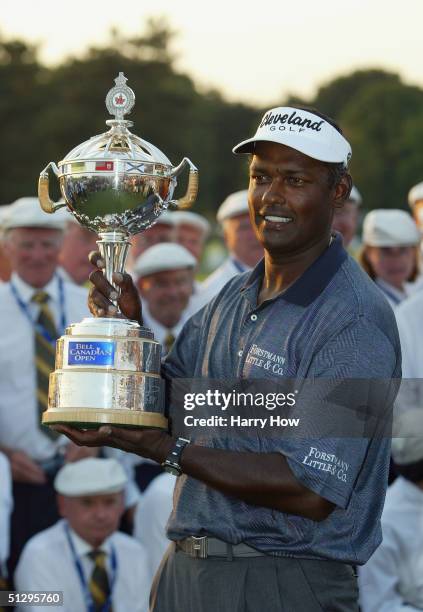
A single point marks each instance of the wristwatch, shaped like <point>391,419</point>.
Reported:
<point>172,462</point>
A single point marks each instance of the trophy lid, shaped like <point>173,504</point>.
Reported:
<point>118,143</point>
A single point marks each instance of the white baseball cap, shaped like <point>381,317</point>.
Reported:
<point>186,217</point>
<point>389,227</point>
<point>234,205</point>
<point>355,196</point>
<point>162,257</point>
<point>415,194</point>
<point>27,212</point>
<point>301,130</point>
<point>91,476</point>
<point>409,447</point>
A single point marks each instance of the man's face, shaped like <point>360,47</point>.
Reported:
<point>167,294</point>
<point>418,214</point>
<point>192,238</point>
<point>93,517</point>
<point>78,242</point>
<point>291,204</point>
<point>159,232</point>
<point>33,253</point>
<point>241,240</point>
<point>394,265</point>
<point>345,221</point>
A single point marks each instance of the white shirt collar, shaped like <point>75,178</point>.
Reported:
<point>26,291</point>
<point>160,331</point>
<point>238,264</point>
<point>400,295</point>
<point>82,548</point>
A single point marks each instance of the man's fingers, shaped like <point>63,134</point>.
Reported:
<point>104,436</point>
<point>99,300</point>
<point>96,259</point>
<point>102,284</point>
<point>89,437</point>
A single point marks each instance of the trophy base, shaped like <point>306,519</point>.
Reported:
<point>94,418</point>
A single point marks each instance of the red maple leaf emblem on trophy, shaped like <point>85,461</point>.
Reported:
<point>119,100</point>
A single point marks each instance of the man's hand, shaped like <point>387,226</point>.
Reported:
<point>101,295</point>
<point>150,443</point>
<point>24,469</point>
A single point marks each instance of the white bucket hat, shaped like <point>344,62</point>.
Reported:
<point>27,212</point>
<point>91,476</point>
<point>234,205</point>
<point>389,227</point>
<point>415,194</point>
<point>163,257</point>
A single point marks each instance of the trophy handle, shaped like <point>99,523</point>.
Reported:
<point>46,202</point>
<point>189,198</point>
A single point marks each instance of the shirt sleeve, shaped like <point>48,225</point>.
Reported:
<point>344,407</point>
<point>32,574</point>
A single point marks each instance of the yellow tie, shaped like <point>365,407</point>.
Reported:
<point>44,354</point>
<point>99,581</point>
<point>168,341</point>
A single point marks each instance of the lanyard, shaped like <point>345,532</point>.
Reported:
<point>39,328</point>
<point>86,591</point>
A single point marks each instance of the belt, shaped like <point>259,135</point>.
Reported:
<point>203,547</point>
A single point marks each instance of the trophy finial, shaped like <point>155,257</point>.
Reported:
<point>120,99</point>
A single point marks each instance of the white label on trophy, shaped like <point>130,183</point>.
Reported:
<point>91,353</point>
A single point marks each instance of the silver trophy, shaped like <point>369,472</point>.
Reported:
<point>116,184</point>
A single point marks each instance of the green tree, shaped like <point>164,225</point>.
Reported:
<point>380,123</point>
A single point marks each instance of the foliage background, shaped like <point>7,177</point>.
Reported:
<point>46,111</point>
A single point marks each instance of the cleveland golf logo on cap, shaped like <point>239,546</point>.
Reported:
<point>271,118</point>
<point>302,130</point>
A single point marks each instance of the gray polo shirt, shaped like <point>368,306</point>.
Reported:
<point>331,323</point>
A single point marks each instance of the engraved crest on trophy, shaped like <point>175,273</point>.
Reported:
<point>116,184</point>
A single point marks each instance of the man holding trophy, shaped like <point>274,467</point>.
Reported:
<point>255,523</point>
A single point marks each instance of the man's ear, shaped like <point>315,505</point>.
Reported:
<point>342,191</point>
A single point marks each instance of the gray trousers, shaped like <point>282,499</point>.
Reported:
<point>253,584</point>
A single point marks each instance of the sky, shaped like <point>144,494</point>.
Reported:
<point>256,51</point>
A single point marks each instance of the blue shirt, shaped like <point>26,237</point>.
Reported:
<point>331,323</point>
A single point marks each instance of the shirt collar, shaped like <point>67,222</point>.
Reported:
<point>238,265</point>
<point>312,282</point>
<point>26,291</point>
<point>160,331</point>
<point>82,547</point>
<point>390,290</point>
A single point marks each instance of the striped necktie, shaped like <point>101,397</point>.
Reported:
<point>168,341</point>
<point>99,581</point>
<point>44,355</point>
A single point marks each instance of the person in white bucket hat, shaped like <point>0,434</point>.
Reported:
<point>415,201</point>
<point>244,250</point>
<point>35,307</point>
<point>273,518</point>
<point>191,231</point>
<point>83,555</point>
<point>345,219</point>
<point>164,275</point>
<point>392,579</point>
<point>390,252</point>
